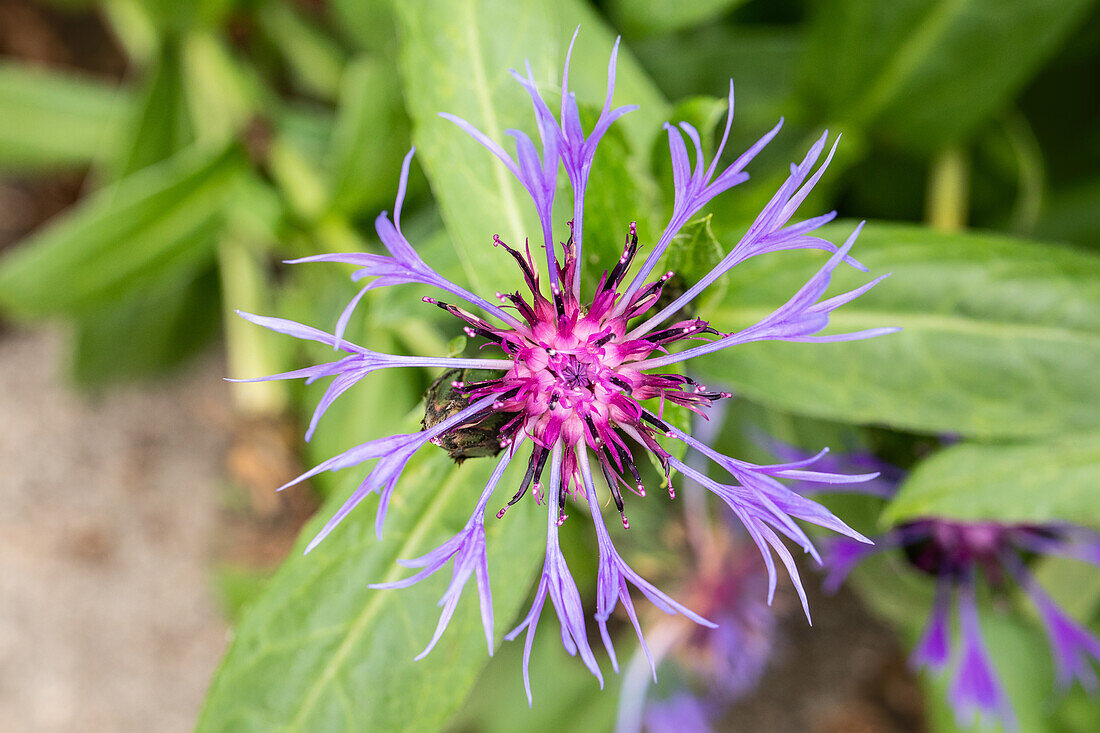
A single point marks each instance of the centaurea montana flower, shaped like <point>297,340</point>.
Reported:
<point>958,554</point>
<point>577,377</point>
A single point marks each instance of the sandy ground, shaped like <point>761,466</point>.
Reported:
<point>107,514</point>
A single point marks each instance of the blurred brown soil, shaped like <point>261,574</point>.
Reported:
<point>72,38</point>
<point>108,513</point>
<point>845,674</point>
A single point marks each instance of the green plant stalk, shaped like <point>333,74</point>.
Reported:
<point>300,182</point>
<point>948,191</point>
<point>1030,183</point>
<point>249,349</point>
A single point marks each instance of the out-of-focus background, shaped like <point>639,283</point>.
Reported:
<point>159,159</point>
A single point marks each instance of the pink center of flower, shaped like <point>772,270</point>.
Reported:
<point>573,377</point>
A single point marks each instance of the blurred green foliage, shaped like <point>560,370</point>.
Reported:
<point>246,132</point>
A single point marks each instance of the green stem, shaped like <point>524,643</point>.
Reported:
<point>1029,161</point>
<point>948,191</point>
<point>249,349</point>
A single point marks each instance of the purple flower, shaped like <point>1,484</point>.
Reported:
<point>576,377</point>
<point>680,713</point>
<point>957,554</point>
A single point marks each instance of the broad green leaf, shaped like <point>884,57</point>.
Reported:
<point>567,696</point>
<point>1047,481</point>
<point>347,422</point>
<point>237,587</point>
<point>150,330</point>
<point>150,223</point>
<point>1001,336</point>
<point>694,252</point>
<point>369,140</point>
<point>455,58</point>
<point>621,189</point>
<point>322,652</point>
<point>52,120</point>
<point>644,17</point>
<point>927,73</point>
<point>1074,585</point>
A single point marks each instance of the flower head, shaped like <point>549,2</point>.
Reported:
<point>576,378</point>
<point>959,555</point>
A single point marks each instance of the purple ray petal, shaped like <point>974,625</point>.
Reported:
<point>934,648</point>
<point>976,692</point>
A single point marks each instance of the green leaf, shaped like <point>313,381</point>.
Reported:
<point>152,222</point>
<point>236,587</point>
<point>620,189</point>
<point>567,696</point>
<point>455,59</point>
<point>51,120</point>
<point>149,331</point>
<point>1049,481</point>
<point>643,17</point>
<point>391,392</point>
<point>693,253</point>
<point>371,135</point>
<point>926,74</point>
<point>1074,585</point>
<point>322,652</point>
<point>456,346</point>
<point>223,93</point>
<point>1001,336</point>
<point>316,61</point>
<point>159,126</point>
<point>369,24</point>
